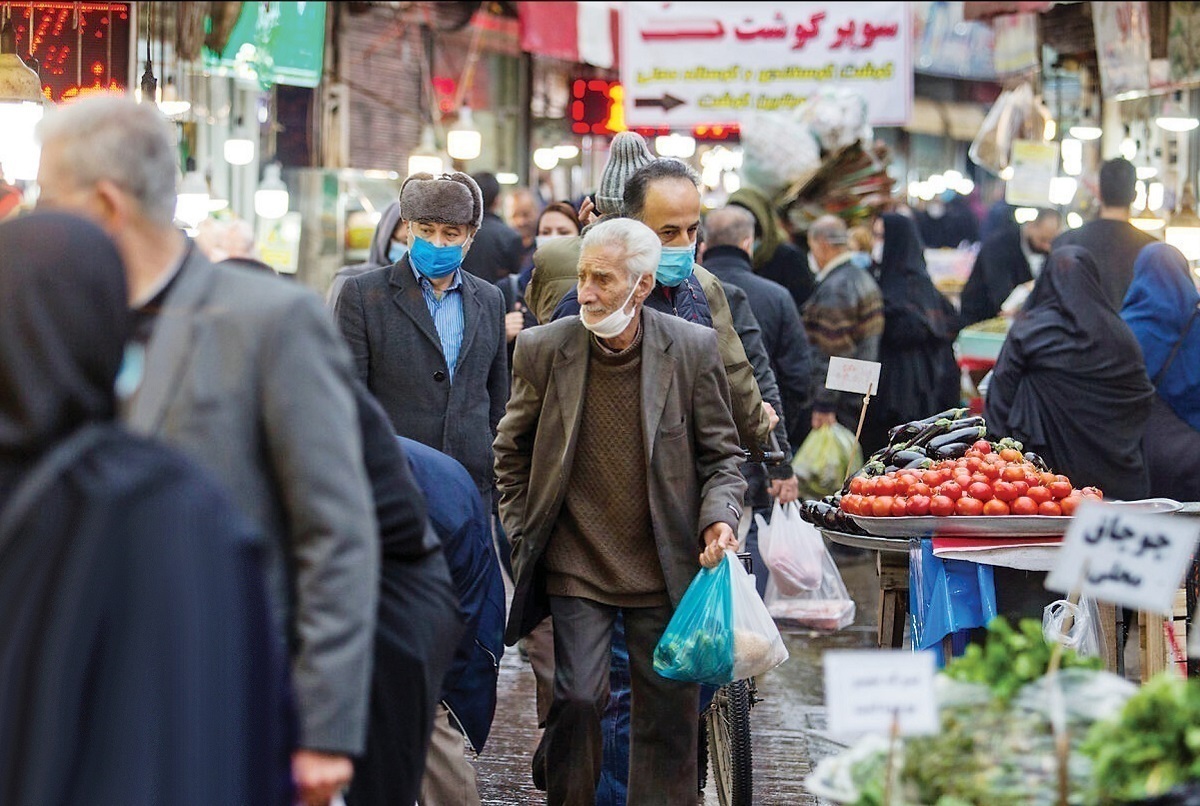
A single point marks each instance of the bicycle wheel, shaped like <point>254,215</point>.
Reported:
<point>702,754</point>
<point>729,744</point>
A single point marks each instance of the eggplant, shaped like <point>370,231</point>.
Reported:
<point>968,433</point>
<point>1037,462</point>
<point>903,457</point>
<point>922,463</point>
<point>955,450</point>
<point>916,425</point>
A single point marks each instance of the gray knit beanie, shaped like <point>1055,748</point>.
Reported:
<point>451,198</point>
<point>627,153</point>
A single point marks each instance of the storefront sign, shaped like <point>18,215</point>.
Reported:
<point>1016,43</point>
<point>1128,559</point>
<point>948,45</point>
<point>277,43</point>
<point>684,64</point>
<point>874,691</point>
<point>1122,47</point>
<point>1034,163</point>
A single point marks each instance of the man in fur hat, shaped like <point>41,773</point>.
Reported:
<point>427,337</point>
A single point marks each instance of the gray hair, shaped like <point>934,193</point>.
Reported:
<point>639,247</point>
<point>829,229</point>
<point>728,226</point>
<point>114,138</point>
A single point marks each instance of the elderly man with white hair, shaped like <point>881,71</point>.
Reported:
<point>617,464</point>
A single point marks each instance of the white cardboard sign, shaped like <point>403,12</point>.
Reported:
<point>867,690</point>
<point>1129,559</point>
<point>852,375</point>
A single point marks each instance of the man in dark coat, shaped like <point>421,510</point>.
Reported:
<point>773,254</point>
<point>428,338</point>
<point>497,248</point>
<point>1111,239</point>
<point>1006,260</point>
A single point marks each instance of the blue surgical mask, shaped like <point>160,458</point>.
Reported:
<point>675,264</point>
<point>435,261</point>
<point>396,251</point>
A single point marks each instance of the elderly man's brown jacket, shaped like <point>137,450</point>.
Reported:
<point>692,453</point>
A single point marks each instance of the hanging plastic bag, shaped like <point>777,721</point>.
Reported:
<point>1084,635</point>
<point>757,645</point>
<point>826,607</point>
<point>828,455</point>
<point>697,645</point>
<point>792,551</point>
<point>721,631</point>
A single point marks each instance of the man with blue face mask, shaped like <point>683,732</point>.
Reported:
<point>427,337</point>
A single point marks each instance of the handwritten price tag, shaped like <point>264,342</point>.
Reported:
<point>1135,560</point>
<point>866,690</point>
<point>852,375</point>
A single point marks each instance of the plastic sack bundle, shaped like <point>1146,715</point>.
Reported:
<point>1016,115</point>
<point>792,548</point>
<point>837,117</point>
<point>778,151</point>
<point>827,456</point>
<point>1084,635</point>
<point>721,631</point>
<point>824,606</point>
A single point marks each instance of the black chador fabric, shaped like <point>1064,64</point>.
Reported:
<point>919,376</point>
<point>1071,383</point>
<point>136,651</point>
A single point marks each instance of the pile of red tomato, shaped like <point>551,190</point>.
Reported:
<point>983,482</point>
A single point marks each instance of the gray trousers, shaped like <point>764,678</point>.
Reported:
<point>664,713</point>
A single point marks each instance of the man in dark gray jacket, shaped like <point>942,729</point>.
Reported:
<point>427,338</point>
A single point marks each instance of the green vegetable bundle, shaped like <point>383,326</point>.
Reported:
<point>1152,746</point>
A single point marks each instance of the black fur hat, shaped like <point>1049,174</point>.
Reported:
<point>452,198</point>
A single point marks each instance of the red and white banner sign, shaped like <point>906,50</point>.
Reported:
<point>575,32</point>
<point>684,64</point>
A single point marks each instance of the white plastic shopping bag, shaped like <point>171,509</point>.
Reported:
<point>793,550</point>
<point>757,645</point>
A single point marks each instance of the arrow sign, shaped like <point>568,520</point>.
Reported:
<point>667,102</point>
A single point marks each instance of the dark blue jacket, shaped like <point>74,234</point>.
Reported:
<point>687,301</point>
<point>457,514</point>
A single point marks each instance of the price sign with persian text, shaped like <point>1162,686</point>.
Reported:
<point>684,64</point>
<point>1134,560</point>
<point>852,375</point>
<point>873,691</point>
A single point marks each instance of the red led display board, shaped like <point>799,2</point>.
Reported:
<point>81,48</point>
<point>597,107</point>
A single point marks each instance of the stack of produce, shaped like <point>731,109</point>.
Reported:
<point>997,745</point>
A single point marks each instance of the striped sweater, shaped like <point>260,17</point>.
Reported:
<point>843,317</point>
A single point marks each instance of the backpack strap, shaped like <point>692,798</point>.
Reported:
<point>1175,350</point>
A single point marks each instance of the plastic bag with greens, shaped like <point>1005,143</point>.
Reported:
<point>827,456</point>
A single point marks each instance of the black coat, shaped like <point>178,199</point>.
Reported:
<point>920,375</point>
<point>1071,383</point>
<point>496,250</point>
<point>999,267</point>
<point>398,355</point>
<point>783,333</point>
<point>788,266</point>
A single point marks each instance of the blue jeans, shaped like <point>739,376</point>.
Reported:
<point>614,773</point>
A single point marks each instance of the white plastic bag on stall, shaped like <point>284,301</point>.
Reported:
<point>827,606</point>
<point>792,549</point>
<point>757,645</point>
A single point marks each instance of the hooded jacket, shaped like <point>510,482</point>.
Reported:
<point>377,256</point>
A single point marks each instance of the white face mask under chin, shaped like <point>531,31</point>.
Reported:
<point>615,323</point>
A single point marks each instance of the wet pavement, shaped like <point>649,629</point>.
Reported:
<point>786,727</point>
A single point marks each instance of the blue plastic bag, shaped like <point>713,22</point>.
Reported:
<point>697,646</point>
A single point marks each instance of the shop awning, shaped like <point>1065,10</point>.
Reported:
<point>586,32</point>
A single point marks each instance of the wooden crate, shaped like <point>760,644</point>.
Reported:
<point>1157,651</point>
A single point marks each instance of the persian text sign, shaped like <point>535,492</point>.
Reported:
<point>1124,558</point>
<point>866,691</point>
<point>852,375</point>
<point>684,64</point>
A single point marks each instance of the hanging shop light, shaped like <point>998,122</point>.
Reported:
<point>1183,230</point>
<point>239,148</point>
<point>20,110</point>
<point>192,201</point>
<point>1154,196</point>
<point>271,200</point>
<point>1174,117</point>
<point>425,158</point>
<point>1086,129</point>
<point>507,178</point>
<point>1074,220</point>
<point>682,146</point>
<point>1062,190</point>
<point>545,158</point>
<point>464,141</point>
<point>566,152</point>
<point>1129,146</point>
